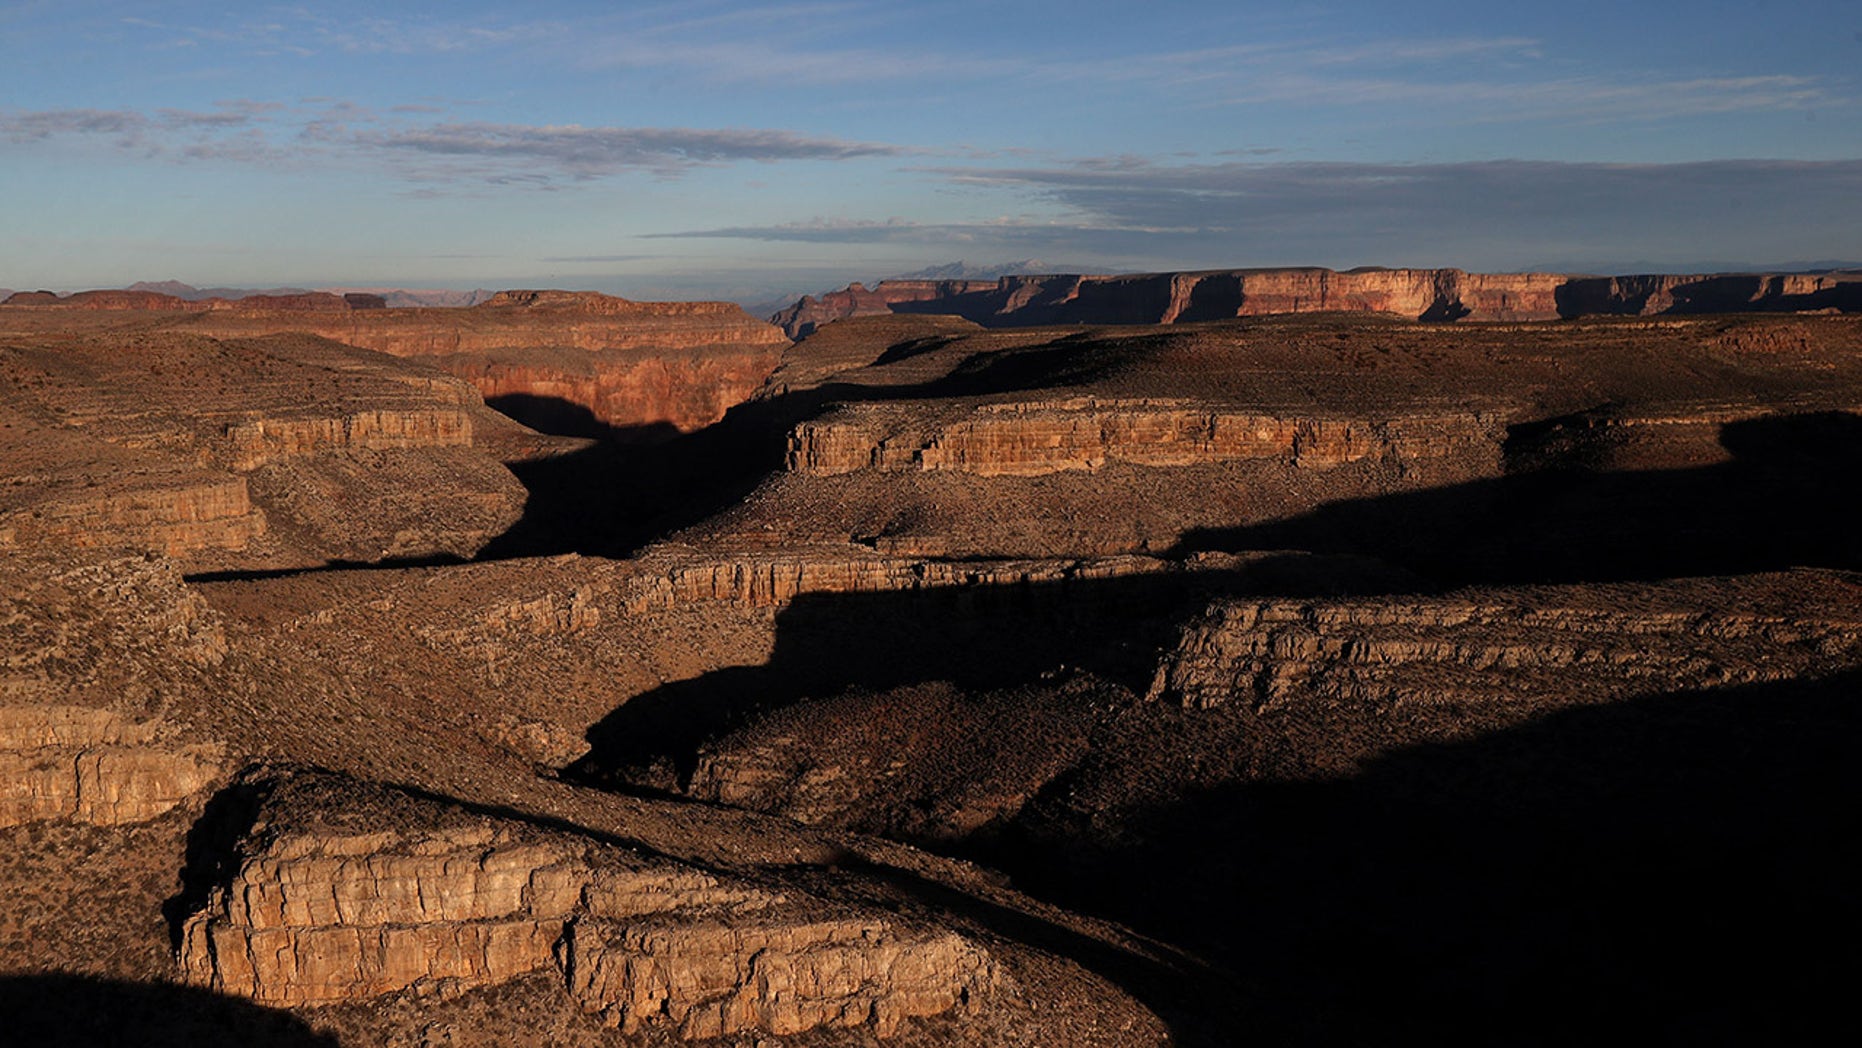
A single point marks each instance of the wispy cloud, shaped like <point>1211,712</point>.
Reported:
<point>592,151</point>
<point>1498,214</point>
<point>504,154</point>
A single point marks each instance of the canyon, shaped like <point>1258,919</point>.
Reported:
<point>1119,661</point>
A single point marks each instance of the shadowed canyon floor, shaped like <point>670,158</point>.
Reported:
<point>1318,679</point>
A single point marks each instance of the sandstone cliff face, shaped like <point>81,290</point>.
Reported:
<point>98,648</point>
<point>1490,649</point>
<point>682,389</point>
<point>670,578</point>
<point>190,513</point>
<point>1034,438</point>
<point>321,916</point>
<point>95,766</point>
<point>627,363</point>
<point>1422,294</point>
<point>256,443</point>
<point>809,313</point>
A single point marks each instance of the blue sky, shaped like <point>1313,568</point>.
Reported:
<point>713,149</point>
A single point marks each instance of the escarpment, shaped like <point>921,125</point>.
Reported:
<point>1418,294</point>
<point>95,766</point>
<point>1526,647</point>
<point>1030,438</point>
<point>1321,678</point>
<point>100,647</point>
<point>312,916</point>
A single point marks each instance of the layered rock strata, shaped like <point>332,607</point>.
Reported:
<point>318,917</point>
<point>1522,646</point>
<point>1034,438</point>
<point>95,766</point>
<point>197,448</point>
<point>1422,294</point>
<point>671,578</point>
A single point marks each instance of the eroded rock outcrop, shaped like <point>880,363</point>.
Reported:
<point>1530,645</point>
<point>1033,438</point>
<point>313,912</point>
<point>95,766</point>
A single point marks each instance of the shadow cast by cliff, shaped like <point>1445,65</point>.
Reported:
<point>74,1011</point>
<point>1671,870</point>
<point>975,637</point>
<point>638,484</point>
<point>1777,504</point>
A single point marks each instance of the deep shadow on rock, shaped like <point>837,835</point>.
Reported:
<point>48,1011</point>
<point>973,637</point>
<point>640,483</point>
<point>1671,870</point>
<point>1776,505</point>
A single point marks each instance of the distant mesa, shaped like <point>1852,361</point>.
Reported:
<point>143,299</point>
<point>1023,300</point>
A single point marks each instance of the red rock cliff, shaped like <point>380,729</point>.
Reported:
<point>1424,294</point>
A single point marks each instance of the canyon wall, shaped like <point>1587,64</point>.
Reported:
<point>552,355</point>
<point>1540,646</point>
<point>1422,294</point>
<point>1035,438</point>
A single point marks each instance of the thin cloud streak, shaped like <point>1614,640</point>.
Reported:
<point>494,153</point>
<point>1496,214</point>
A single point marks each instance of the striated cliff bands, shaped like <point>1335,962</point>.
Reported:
<point>322,915</point>
<point>1420,294</point>
<point>1523,647</point>
<point>1031,438</point>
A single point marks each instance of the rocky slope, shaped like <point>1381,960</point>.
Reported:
<point>262,451</point>
<point>1420,294</point>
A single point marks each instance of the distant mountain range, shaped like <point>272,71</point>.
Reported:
<point>393,296</point>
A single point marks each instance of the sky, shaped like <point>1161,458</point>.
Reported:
<point>750,151</point>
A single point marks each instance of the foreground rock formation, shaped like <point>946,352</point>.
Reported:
<point>314,917</point>
<point>1420,294</point>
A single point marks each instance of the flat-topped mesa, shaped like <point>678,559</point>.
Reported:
<point>446,901</point>
<point>1540,646</point>
<point>855,300</point>
<point>595,303</point>
<point>1420,294</point>
<point>1035,438</point>
<point>200,448</point>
